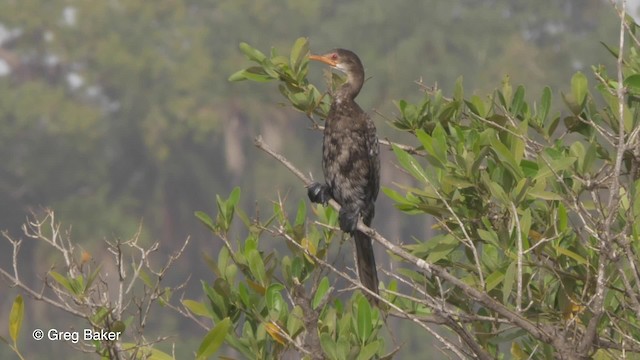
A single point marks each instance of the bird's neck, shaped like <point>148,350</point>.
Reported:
<point>351,88</point>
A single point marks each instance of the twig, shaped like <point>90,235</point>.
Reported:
<point>520,256</point>
<point>410,149</point>
<point>613,205</point>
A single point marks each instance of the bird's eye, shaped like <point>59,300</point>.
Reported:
<point>334,56</point>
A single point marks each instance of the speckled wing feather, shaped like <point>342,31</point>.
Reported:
<point>352,171</point>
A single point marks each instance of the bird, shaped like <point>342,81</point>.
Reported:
<point>350,162</point>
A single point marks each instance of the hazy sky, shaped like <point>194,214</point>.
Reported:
<point>633,8</point>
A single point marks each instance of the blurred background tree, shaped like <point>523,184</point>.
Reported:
<point>117,113</point>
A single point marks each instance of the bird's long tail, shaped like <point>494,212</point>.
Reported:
<point>366,264</point>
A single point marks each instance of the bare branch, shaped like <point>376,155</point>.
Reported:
<point>520,255</point>
<point>607,239</point>
<point>92,300</point>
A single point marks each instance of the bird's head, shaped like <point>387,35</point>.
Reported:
<point>341,59</point>
<point>347,62</point>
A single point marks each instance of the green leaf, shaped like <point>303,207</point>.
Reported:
<point>300,101</point>
<point>496,190</point>
<point>234,197</point>
<point>254,73</point>
<point>92,277</point>
<point>458,93</point>
<point>15,318</point>
<point>78,285</point>
<point>62,280</point>
<point>517,353</point>
<point>274,297</point>
<point>223,260</point>
<point>579,87</point>
<point>205,219</point>
<point>557,166</point>
<point>563,219</point>
<point>544,195</point>
<point>612,51</point>
<point>100,314</point>
<point>589,158</point>
<point>196,307</point>
<point>323,287</point>
<point>217,306</point>
<point>489,236</point>
<point>145,278</point>
<point>256,265</point>
<point>226,209</point>
<point>545,104</point>
<point>493,280</point>
<point>553,125</point>
<point>439,142</point>
<point>238,76</point>
<point>230,273</point>
<point>301,215</point>
<point>505,95</point>
<point>632,82</point>
<point>520,190</point>
<point>434,144</point>
<point>394,195</point>
<point>343,347</point>
<point>145,352</point>
<point>294,321</point>
<point>507,157</point>
<point>566,252</point>
<point>456,182</point>
<point>363,320</point>
<point>518,101</point>
<point>410,164</point>
<point>442,248</point>
<point>368,351</point>
<point>329,346</point>
<point>252,53</point>
<point>509,279</point>
<point>299,52</point>
<point>477,106</point>
<point>214,339</point>
<point>243,293</point>
<point>577,150</point>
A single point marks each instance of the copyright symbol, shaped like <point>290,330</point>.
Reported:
<point>38,334</point>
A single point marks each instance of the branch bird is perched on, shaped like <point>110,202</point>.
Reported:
<point>350,162</point>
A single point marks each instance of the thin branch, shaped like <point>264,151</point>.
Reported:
<point>587,341</point>
<point>520,256</point>
<point>39,296</point>
<point>410,149</point>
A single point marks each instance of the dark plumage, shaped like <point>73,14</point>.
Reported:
<point>350,161</point>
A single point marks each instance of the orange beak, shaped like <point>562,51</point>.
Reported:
<point>324,59</point>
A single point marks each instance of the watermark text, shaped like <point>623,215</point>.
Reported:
<point>75,336</point>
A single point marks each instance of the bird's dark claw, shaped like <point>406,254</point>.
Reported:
<point>318,193</point>
<point>348,220</point>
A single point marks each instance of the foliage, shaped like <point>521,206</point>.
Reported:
<point>272,301</point>
<point>15,323</point>
<point>291,71</point>
<point>537,214</point>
